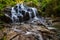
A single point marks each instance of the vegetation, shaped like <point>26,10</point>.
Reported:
<point>45,7</point>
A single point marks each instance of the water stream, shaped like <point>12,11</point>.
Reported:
<point>19,13</point>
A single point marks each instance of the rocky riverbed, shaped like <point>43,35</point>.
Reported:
<point>26,24</point>
<point>27,32</point>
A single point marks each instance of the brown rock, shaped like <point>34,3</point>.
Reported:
<point>1,34</point>
<point>10,35</point>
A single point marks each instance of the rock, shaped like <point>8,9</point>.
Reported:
<point>6,16</point>
<point>1,34</point>
<point>26,37</point>
<point>5,19</point>
<point>29,32</point>
<point>16,38</point>
<point>7,10</point>
<point>10,35</point>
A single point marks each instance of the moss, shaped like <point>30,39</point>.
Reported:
<point>1,14</point>
<point>1,27</point>
<point>4,38</point>
<point>57,26</point>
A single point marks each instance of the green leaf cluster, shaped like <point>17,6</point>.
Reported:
<point>45,7</point>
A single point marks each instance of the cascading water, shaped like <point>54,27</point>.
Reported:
<point>34,11</point>
<point>19,8</point>
<point>20,12</point>
<point>30,14</point>
<point>35,15</point>
<point>14,15</point>
<point>22,7</point>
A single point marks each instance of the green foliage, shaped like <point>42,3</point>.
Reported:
<point>35,2</point>
<point>4,38</point>
<point>50,7</point>
<point>45,7</point>
<point>5,3</point>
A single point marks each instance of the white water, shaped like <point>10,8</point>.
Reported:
<point>16,30</point>
<point>19,14</point>
<point>20,7</point>
<point>39,35</point>
<point>30,15</point>
<point>43,21</point>
<point>7,15</point>
<point>14,16</point>
<point>34,11</point>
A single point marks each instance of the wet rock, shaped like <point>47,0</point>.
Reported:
<point>7,10</point>
<point>29,32</point>
<point>10,35</point>
<point>15,38</point>
<point>26,37</point>
<point>5,19</point>
<point>23,29</point>
<point>6,16</point>
<point>1,34</point>
<point>6,25</point>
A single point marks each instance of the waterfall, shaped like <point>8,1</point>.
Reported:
<point>35,13</point>
<point>23,13</point>
<point>22,7</point>
<point>30,15</point>
<point>20,13</point>
<point>14,15</point>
